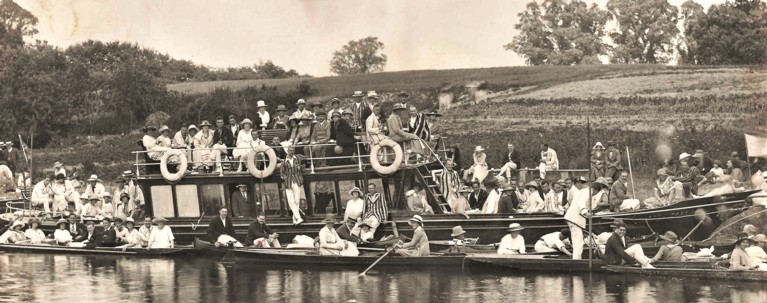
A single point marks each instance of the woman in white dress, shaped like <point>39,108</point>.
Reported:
<point>61,235</point>
<point>244,139</point>
<point>33,233</point>
<point>164,139</point>
<point>161,236</point>
<point>203,142</point>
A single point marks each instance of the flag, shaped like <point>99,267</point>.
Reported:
<point>756,146</point>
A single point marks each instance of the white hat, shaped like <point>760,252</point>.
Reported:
<point>417,218</point>
<point>93,178</point>
<point>164,128</point>
<point>599,144</point>
<point>191,126</point>
<point>248,121</point>
<point>684,155</point>
<point>358,93</point>
<point>301,101</point>
<point>764,174</point>
<point>130,219</point>
<point>372,94</point>
<point>261,103</point>
<point>478,148</point>
<point>515,227</point>
<point>286,144</point>
<point>17,223</point>
<point>57,164</point>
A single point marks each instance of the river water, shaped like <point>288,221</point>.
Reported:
<point>51,278</point>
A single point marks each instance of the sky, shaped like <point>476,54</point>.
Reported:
<point>300,35</point>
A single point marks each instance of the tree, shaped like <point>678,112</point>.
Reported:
<point>16,23</point>
<point>731,33</point>
<point>691,15</point>
<point>565,33</point>
<point>269,70</point>
<point>359,57</point>
<point>645,30</point>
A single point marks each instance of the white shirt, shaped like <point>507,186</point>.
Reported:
<point>122,234</point>
<point>491,203</point>
<point>578,207</point>
<point>62,236</point>
<point>552,240</point>
<point>161,238</point>
<point>35,236</point>
<point>265,119</point>
<point>354,208</point>
<point>135,237</point>
<point>90,210</point>
<point>756,254</point>
<point>145,232</point>
<point>510,246</point>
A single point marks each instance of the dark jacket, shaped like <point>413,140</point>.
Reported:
<point>615,251</point>
<point>506,204</point>
<point>240,206</point>
<point>109,237</point>
<point>15,160</point>
<point>511,157</point>
<point>479,200</point>
<point>257,230</point>
<point>224,135</point>
<point>80,234</point>
<point>216,228</point>
<point>344,232</point>
<point>94,240</point>
<point>343,133</point>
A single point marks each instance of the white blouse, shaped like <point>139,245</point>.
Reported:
<point>354,208</point>
<point>161,238</point>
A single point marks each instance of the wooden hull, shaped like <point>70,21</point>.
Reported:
<point>708,274</point>
<point>304,259</point>
<point>562,264</point>
<point>108,251</point>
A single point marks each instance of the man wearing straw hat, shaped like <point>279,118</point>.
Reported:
<point>576,214</point>
<point>320,136</point>
<point>301,111</point>
<point>58,168</point>
<point>513,242</point>
<point>361,110</point>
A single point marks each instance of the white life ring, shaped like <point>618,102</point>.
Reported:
<point>181,167</point>
<point>251,161</point>
<point>398,155</point>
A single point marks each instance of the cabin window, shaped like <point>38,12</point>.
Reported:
<point>212,198</point>
<point>270,197</point>
<point>162,201</point>
<point>323,193</point>
<point>187,201</point>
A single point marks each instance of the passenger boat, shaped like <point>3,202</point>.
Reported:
<point>701,273</point>
<point>559,263</point>
<point>314,259</point>
<point>190,200</point>
<point>67,250</point>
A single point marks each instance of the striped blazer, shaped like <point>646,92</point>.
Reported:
<point>420,127</point>
<point>291,173</point>
<point>449,182</point>
<point>375,206</point>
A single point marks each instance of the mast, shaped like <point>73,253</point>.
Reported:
<point>588,147</point>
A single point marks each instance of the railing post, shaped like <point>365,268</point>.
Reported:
<point>311,157</point>
<point>359,156</point>
<point>138,174</point>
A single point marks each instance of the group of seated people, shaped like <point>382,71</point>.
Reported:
<point>332,133</point>
<point>110,233</point>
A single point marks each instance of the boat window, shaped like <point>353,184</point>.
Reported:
<point>343,188</point>
<point>162,201</point>
<point>323,193</point>
<point>270,196</point>
<point>187,201</point>
<point>211,198</point>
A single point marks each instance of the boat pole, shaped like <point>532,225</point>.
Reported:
<point>590,223</point>
<point>631,174</point>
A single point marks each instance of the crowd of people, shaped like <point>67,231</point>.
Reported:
<point>329,136</point>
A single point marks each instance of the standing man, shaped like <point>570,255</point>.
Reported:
<point>220,226</point>
<point>263,116</point>
<point>14,158</point>
<point>512,162</point>
<point>241,205</point>
<point>576,215</point>
<point>549,160</point>
<point>281,121</point>
<point>361,110</point>
<point>293,181</point>
<point>449,182</point>
<point>619,191</point>
<point>223,135</point>
<point>320,136</point>
<point>376,211</point>
<point>613,161</point>
<point>234,126</point>
<point>343,134</point>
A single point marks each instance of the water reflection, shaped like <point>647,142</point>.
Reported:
<point>85,279</point>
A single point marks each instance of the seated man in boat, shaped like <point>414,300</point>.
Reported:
<point>146,230</point>
<point>330,243</point>
<point>92,209</point>
<point>93,236</point>
<point>619,192</point>
<point>554,242</point>
<point>14,234</point>
<point>416,201</point>
<point>346,231</point>
<point>616,252</point>
<point>477,196</point>
<point>61,235</point>
<point>162,236</point>
<point>756,252</point>
<point>121,233</point>
<point>375,208</point>
<point>513,242</point>
<point>260,235</point>
<point>221,230</point>
<point>78,230</point>
<point>670,251</point>
<point>418,245</point>
<point>109,235</point>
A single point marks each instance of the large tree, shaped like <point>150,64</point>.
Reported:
<point>560,32</point>
<point>731,33</point>
<point>16,23</point>
<point>359,57</point>
<point>692,13</point>
<point>645,30</point>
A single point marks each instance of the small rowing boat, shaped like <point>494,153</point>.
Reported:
<point>61,250</point>
<point>703,273</point>
<point>313,258</point>
<point>537,262</point>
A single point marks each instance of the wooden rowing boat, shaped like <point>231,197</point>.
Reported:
<point>703,273</point>
<point>535,262</point>
<point>314,259</point>
<point>62,250</point>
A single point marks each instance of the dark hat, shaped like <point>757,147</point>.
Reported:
<point>124,195</point>
<point>107,219</point>
<point>617,223</point>
<point>148,127</point>
<point>335,100</point>
<point>403,94</point>
<point>321,113</point>
<point>60,177</point>
<point>743,237</point>
<point>281,108</point>
<point>432,113</point>
<point>670,236</point>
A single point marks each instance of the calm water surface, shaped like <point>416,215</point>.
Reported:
<point>48,278</point>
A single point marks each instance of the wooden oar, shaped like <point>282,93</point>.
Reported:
<point>376,262</point>
<point>692,231</point>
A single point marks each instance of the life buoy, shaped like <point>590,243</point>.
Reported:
<point>251,161</point>
<point>181,166</point>
<point>398,155</point>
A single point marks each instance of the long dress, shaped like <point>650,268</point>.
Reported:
<point>203,154</point>
<point>244,138</point>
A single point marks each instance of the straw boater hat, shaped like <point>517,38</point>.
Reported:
<point>602,181</point>
<point>17,223</point>
<point>159,219</point>
<point>320,113</point>
<point>533,184</point>
<point>164,128</point>
<point>204,123</point>
<point>127,173</point>
<point>281,108</point>
<point>581,179</point>
<point>61,221</point>
<point>335,100</point>
<point>515,227</point>
<point>242,185</point>
<point>9,143</point>
<point>191,127</point>
<point>248,121</point>
<point>417,218</point>
<point>148,127</point>
<point>398,106</point>
<point>57,164</point>
<point>670,236</point>
<point>372,94</point>
<point>358,93</point>
<point>457,231</point>
<point>261,104</point>
<point>355,189</point>
<point>301,101</point>
<point>335,113</point>
<point>93,178</point>
<point>479,149</point>
<point>684,156</point>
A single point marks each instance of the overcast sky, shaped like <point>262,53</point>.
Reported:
<point>300,35</point>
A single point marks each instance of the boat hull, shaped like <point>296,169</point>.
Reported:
<point>699,273</point>
<point>563,264</point>
<point>107,251</point>
<point>312,259</point>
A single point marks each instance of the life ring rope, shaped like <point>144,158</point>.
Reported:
<point>398,156</point>
<point>251,161</point>
<point>183,162</point>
